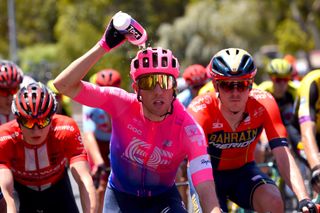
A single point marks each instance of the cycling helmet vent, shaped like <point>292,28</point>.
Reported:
<point>34,100</point>
<point>279,68</point>
<point>195,75</point>
<point>106,77</point>
<point>232,63</point>
<point>10,75</point>
<point>152,61</point>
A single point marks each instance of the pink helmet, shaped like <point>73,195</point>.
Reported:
<point>154,60</point>
<point>34,100</point>
<point>195,74</point>
<point>10,75</point>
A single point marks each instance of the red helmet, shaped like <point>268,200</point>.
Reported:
<point>195,74</point>
<point>10,75</point>
<point>107,77</point>
<point>154,60</point>
<point>34,100</point>
<point>232,63</point>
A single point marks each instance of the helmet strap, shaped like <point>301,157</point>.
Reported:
<point>171,108</point>
<point>139,96</point>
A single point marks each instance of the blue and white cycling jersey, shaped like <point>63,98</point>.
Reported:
<point>185,97</point>
<point>98,121</point>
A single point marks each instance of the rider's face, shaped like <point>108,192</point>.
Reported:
<point>234,94</point>
<point>156,102</point>
<point>35,135</point>
<point>280,86</point>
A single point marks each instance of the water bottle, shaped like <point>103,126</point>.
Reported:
<point>130,28</point>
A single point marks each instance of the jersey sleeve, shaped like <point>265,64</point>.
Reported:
<point>199,160</point>
<point>5,152</point>
<point>72,142</point>
<point>113,100</point>
<point>309,95</point>
<point>6,145</point>
<point>273,125</point>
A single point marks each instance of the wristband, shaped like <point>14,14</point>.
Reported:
<point>102,43</point>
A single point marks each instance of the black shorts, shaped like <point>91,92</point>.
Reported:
<point>238,185</point>
<point>58,198</point>
<point>116,202</point>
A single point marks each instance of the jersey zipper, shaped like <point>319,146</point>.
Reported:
<point>145,162</point>
<point>37,164</point>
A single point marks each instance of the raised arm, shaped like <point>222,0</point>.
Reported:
<point>68,82</point>
<point>6,185</point>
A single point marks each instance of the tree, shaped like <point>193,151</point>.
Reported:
<point>209,26</point>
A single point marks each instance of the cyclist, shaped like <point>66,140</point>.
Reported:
<point>284,90</point>
<point>97,134</point>
<point>309,119</point>
<point>64,102</point>
<point>34,151</point>
<point>10,78</point>
<point>195,76</point>
<point>233,119</point>
<point>151,131</point>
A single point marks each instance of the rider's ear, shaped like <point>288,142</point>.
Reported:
<point>215,85</point>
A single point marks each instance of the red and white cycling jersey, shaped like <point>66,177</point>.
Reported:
<point>230,149</point>
<point>39,166</point>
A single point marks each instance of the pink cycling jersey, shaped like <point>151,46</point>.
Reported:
<point>145,155</point>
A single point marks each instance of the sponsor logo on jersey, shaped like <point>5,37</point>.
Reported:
<point>217,125</point>
<point>194,133</point>
<point>9,137</point>
<point>147,154</point>
<point>134,129</point>
<point>167,143</point>
<point>64,127</point>
<point>200,103</point>
<point>225,140</point>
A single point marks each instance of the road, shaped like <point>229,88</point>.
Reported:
<point>77,116</point>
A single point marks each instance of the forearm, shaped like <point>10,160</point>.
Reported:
<point>11,207</point>
<point>207,196</point>
<point>6,185</point>
<point>92,148</point>
<point>87,196</point>
<point>68,81</point>
<point>309,142</point>
<point>81,174</point>
<point>291,174</point>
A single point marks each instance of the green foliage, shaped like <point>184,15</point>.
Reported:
<point>209,26</point>
<point>59,31</point>
<point>291,38</point>
<point>41,65</point>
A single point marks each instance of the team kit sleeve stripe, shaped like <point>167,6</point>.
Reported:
<point>200,169</point>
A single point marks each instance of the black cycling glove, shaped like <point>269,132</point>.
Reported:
<point>111,38</point>
<point>101,174</point>
<point>311,206</point>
